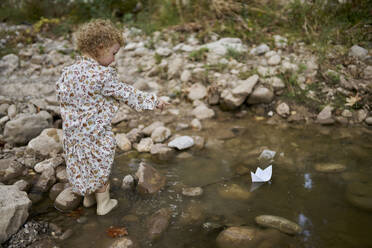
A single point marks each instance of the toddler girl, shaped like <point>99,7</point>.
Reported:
<point>88,92</point>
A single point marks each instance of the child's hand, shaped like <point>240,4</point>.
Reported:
<point>161,104</point>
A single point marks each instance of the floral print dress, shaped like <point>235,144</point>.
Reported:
<point>89,96</point>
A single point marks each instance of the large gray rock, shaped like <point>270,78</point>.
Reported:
<point>150,181</point>
<point>197,91</point>
<point>158,223</point>
<point>48,142</point>
<point>359,194</point>
<point>261,95</point>
<point>25,127</point>
<point>67,200</point>
<point>48,163</point>
<point>10,169</point>
<point>261,49</point>
<point>14,206</point>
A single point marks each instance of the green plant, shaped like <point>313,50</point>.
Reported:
<point>235,54</point>
<point>219,67</point>
<point>158,58</point>
<point>199,55</point>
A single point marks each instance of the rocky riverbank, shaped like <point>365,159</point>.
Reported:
<point>200,81</point>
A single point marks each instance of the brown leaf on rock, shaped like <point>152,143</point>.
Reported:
<point>114,232</point>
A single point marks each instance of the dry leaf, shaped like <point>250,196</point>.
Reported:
<point>114,232</point>
<point>350,101</point>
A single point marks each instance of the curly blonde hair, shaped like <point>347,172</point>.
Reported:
<point>97,34</point>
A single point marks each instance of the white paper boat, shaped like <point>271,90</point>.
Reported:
<point>262,175</point>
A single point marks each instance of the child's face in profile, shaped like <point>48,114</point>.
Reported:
<point>107,55</point>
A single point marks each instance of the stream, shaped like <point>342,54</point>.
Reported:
<point>319,202</point>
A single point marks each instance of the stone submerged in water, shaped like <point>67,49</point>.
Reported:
<point>249,237</point>
<point>192,191</point>
<point>150,181</point>
<point>280,223</point>
<point>359,194</point>
<point>124,242</point>
<point>158,223</point>
<point>329,167</point>
<point>234,191</point>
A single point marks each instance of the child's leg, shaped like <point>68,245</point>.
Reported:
<point>102,189</point>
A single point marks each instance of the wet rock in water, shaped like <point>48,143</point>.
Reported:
<point>150,181</point>
<point>267,155</point>
<point>123,142</point>
<point>234,191</point>
<point>280,223</point>
<point>329,167</point>
<point>325,116</point>
<point>56,190</point>
<point>145,145</point>
<point>48,142</point>
<point>359,194</point>
<point>158,223</point>
<point>128,182</point>
<point>67,200</point>
<point>261,95</point>
<point>14,206</point>
<point>283,110</point>
<point>25,127</point>
<point>48,163</point>
<point>238,237</point>
<point>66,234</point>
<point>182,143</point>
<point>192,214</point>
<point>124,242</point>
<point>160,134</point>
<point>10,169</point>
<point>197,91</point>
<point>30,235</point>
<point>196,124</point>
<point>45,181</point>
<point>203,112</point>
<point>192,191</point>
<point>149,129</point>
<point>61,174</point>
<point>162,151</point>
<point>359,52</point>
<point>184,155</point>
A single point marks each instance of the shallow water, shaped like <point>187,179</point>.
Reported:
<point>317,201</point>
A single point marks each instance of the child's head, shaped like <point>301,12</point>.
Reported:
<point>99,39</point>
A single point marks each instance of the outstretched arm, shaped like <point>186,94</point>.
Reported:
<point>131,96</point>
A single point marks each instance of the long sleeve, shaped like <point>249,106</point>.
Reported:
<point>131,96</point>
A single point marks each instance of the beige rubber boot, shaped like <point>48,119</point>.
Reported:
<point>89,200</point>
<point>104,203</point>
